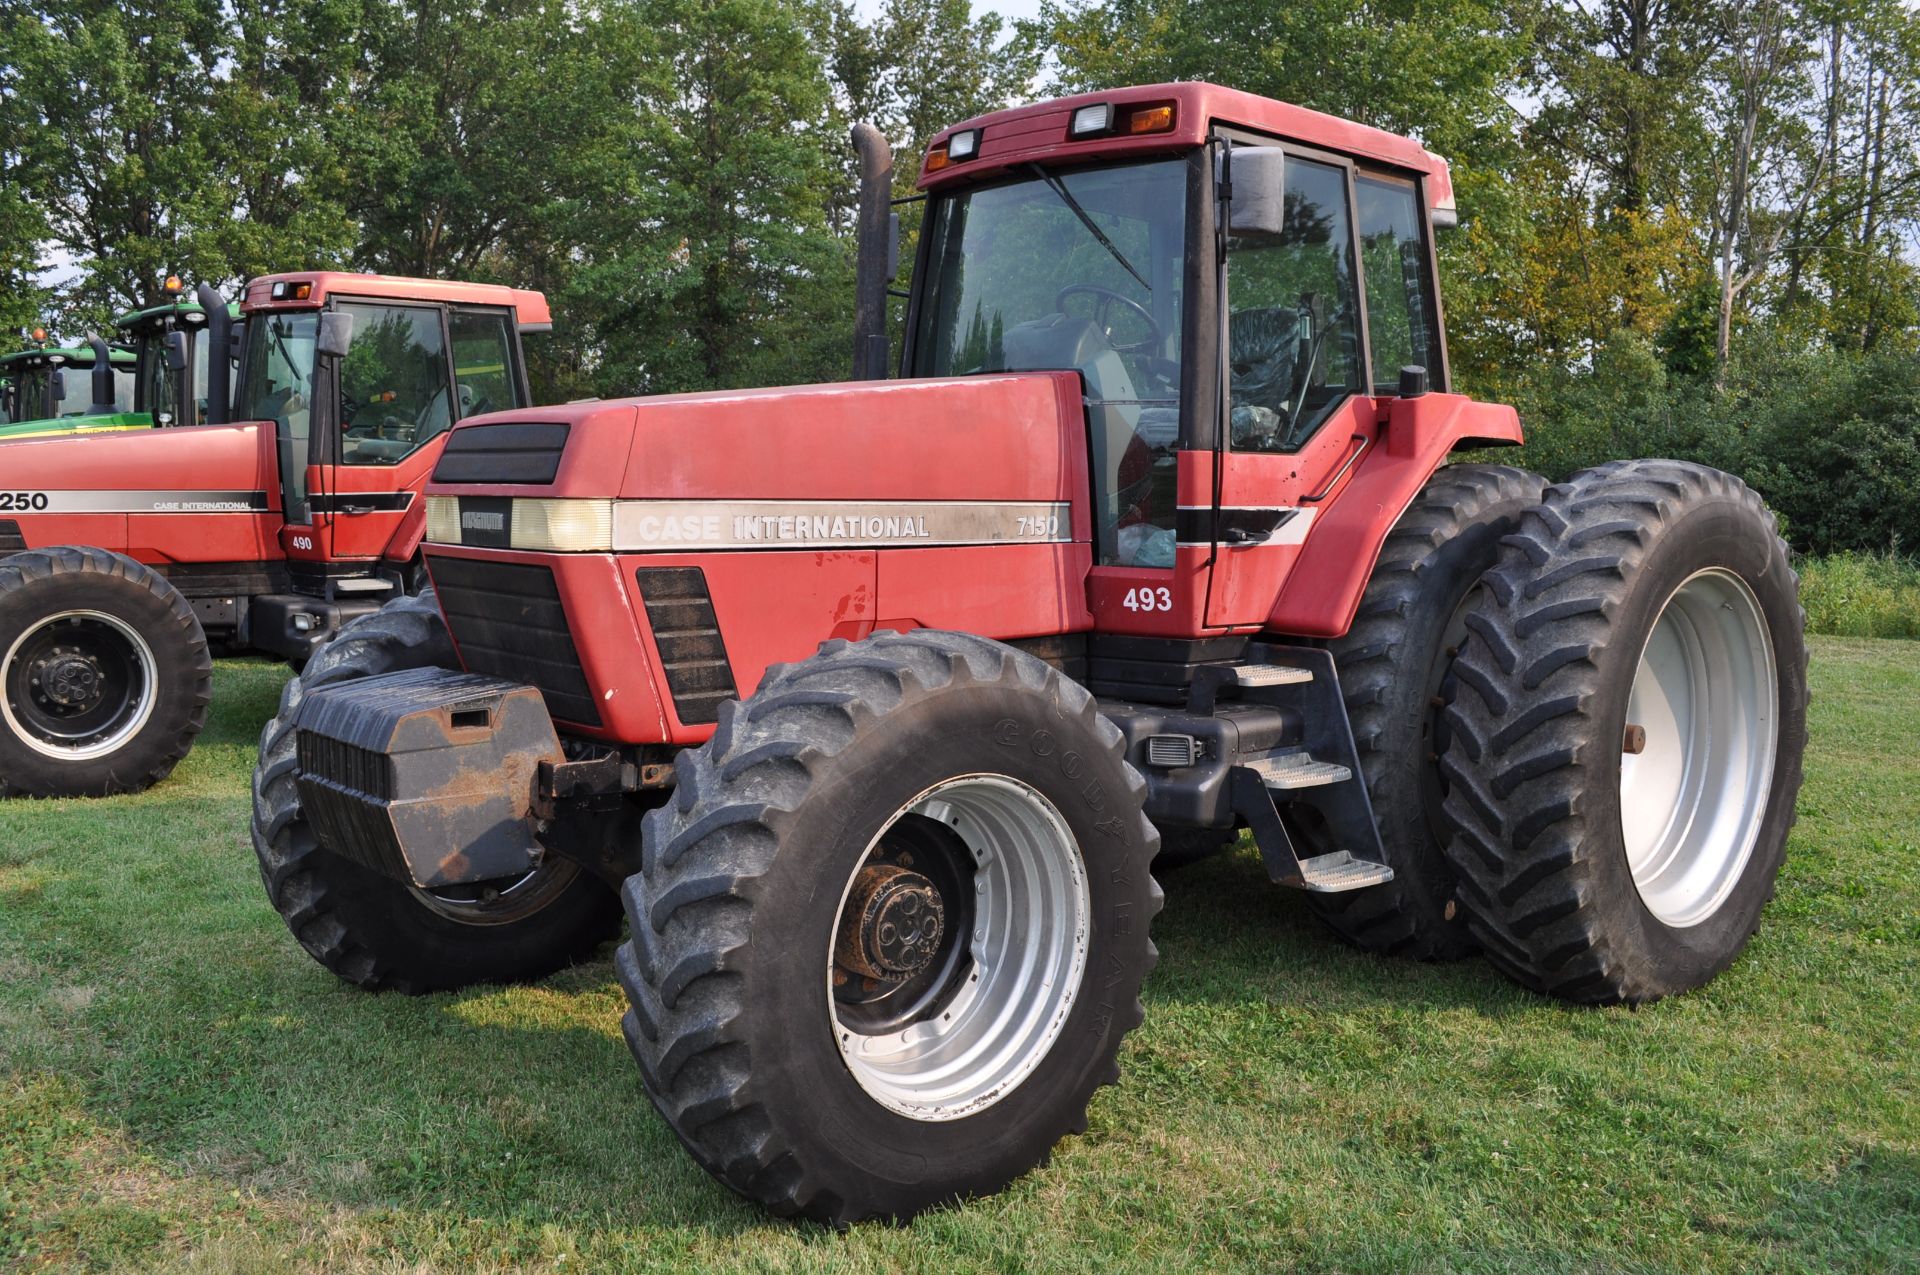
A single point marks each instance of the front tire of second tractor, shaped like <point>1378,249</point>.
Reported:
<point>890,930</point>
<point>372,930</point>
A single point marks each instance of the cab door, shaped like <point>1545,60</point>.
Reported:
<point>410,373</point>
<point>1300,410</point>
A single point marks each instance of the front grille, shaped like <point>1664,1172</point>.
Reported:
<point>507,619</point>
<point>11,541</point>
<point>508,453</point>
<point>692,653</point>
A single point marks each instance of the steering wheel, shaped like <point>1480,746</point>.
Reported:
<point>1104,301</point>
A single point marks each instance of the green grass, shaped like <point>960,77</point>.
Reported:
<point>180,1086</point>
<point>1862,595</point>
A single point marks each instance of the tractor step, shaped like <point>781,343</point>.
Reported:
<point>1333,873</point>
<point>1298,770</point>
<point>1270,675</point>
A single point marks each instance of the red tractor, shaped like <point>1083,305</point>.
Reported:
<point>869,701</point>
<point>123,554</point>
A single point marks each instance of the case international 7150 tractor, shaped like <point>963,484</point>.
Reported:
<point>868,700</point>
<point>123,553</point>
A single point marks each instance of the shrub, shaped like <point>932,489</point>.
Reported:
<point>1862,595</point>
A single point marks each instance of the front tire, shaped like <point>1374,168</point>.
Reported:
<point>1628,733</point>
<point>105,675</point>
<point>891,929</point>
<point>370,929</point>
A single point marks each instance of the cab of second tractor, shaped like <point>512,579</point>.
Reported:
<point>875,702</point>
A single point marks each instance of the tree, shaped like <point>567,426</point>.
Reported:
<point>728,273</point>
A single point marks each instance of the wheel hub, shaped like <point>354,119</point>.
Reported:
<point>66,679</point>
<point>891,926</point>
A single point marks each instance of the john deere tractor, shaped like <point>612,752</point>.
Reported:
<point>67,389</point>
<point>160,359</point>
<point>868,704</point>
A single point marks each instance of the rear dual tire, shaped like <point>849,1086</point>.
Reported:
<point>792,1066</point>
<point>1395,666</point>
<point>1642,598</point>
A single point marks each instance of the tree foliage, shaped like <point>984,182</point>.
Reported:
<point>1687,225</point>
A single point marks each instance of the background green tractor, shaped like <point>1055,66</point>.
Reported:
<point>158,368</point>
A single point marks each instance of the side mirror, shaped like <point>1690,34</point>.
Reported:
<point>57,381</point>
<point>176,352</point>
<point>336,334</point>
<point>1259,205</point>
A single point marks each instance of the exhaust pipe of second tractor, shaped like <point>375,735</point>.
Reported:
<point>219,339</point>
<point>873,251</point>
<point>103,404</point>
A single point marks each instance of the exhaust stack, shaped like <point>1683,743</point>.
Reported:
<point>219,339</point>
<point>103,404</point>
<point>873,252</point>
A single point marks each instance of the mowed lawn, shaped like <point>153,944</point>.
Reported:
<point>180,1086</point>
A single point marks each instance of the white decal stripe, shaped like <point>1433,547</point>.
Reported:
<point>1293,531</point>
<point>661,526</point>
<point>146,502</point>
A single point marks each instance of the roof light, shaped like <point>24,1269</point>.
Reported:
<point>279,292</point>
<point>937,159</point>
<point>1091,120</point>
<point>173,286</point>
<point>963,146</point>
<point>39,334</point>
<point>284,291</point>
<point>1151,119</point>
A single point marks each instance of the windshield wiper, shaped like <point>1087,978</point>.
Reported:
<point>1066,197</point>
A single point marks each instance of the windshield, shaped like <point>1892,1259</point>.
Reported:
<point>157,381</point>
<point>278,380</point>
<point>1079,270</point>
<point>77,386</point>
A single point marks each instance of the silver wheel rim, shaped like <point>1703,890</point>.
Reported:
<point>1026,955</point>
<point>130,722</point>
<point>500,902</point>
<point>1693,801</point>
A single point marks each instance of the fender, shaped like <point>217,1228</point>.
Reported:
<point>1323,591</point>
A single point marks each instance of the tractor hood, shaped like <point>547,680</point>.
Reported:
<point>799,467</point>
<point>208,468</point>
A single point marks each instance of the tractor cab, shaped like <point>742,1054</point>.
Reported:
<point>174,344</point>
<point>1246,290</point>
<point>53,389</point>
<point>361,377</point>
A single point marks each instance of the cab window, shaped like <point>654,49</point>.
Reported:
<point>1402,328</point>
<point>1293,323</point>
<point>394,394</point>
<point>1077,269</point>
<point>277,385</point>
<point>482,362</point>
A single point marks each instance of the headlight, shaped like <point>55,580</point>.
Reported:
<point>563,526</point>
<point>443,520</point>
<point>535,524</point>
